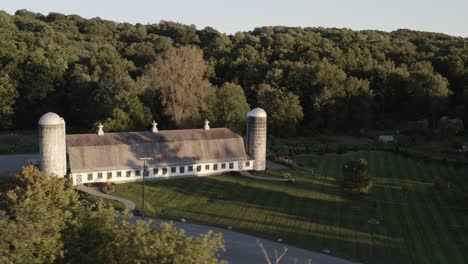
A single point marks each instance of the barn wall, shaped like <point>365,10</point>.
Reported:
<point>82,177</point>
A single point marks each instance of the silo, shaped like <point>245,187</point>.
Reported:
<point>256,137</point>
<point>52,146</point>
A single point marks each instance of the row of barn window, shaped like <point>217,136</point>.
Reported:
<point>165,170</point>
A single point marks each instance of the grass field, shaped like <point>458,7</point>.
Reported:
<point>19,142</point>
<point>418,223</point>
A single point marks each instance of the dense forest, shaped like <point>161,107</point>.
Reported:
<point>307,79</point>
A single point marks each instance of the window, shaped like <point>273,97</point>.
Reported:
<point>155,171</point>
<point>247,163</point>
<point>90,176</point>
<point>99,175</point>
<point>182,169</point>
<point>173,169</point>
<point>223,165</point>
<point>129,173</point>
<point>231,165</point>
<point>190,168</point>
<point>207,167</point>
<point>137,173</point>
<point>119,174</point>
<point>164,170</point>
<point>215,166</point>
<point>199,168</point>
<point>109,175</point>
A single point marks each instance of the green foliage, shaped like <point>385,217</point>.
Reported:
<point>283,108</point>
<point>8,94</point>
<point>177,77</point>
<point>46,222</point>
<point>231,106</point>
<point>93,70</point>
<point>356,178</point>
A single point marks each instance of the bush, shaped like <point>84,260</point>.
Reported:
<point>107,187</point>
<point>356,177</point>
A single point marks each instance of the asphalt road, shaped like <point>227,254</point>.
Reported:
<point>13,163</point>
<point>243,249</point>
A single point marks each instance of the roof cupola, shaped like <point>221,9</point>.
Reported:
<point>206,126</point>
<point>100,132</point>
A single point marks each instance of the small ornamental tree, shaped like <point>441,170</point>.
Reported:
<point>356,177</point>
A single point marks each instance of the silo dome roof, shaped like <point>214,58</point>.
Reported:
<point>257,112</point>
<point>50,119</point>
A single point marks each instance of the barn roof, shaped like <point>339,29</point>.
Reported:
<point>114,151</point>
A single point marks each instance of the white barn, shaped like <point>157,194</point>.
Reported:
<point>116,157</point>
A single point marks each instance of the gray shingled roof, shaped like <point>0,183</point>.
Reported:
<point>115,151</point>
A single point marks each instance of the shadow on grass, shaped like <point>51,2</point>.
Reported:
<point>334,223</point>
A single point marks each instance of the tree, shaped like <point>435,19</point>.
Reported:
<point>36,213</point>
<point>78,66</point>
<point>8,94</point>
<point>45,221</point>
<point>231,107</point>
<point>283,108</point>
<point>428,90</point>
<point>341,102</point>
<point>356,178</point>
<point>177,77</point>
<point>130,114</point>
<point>354,104</point>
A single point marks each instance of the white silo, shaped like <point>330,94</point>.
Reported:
<point>52,146</point>
<point>256,137</point>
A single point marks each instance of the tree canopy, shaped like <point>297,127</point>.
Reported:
<point>93,70</point>
<point>231,107</point>
<point>43,220</point>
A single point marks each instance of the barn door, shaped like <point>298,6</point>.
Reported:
<point>78,180</point>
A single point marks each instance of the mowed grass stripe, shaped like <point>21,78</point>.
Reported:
<point>390,219</point>
<point>417,206</point>
<point>396,214</point>
<point>335,169</point>
<point>425,214</point>
<point>412,232</point>
<point>439,220</point>
<point>450,218</point>
<point>376,163</point>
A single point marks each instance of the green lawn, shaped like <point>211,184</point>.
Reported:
<point>420,225</point>
<point>19,142</point>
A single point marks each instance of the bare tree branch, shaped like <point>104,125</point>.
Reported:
<point>285,249</point>
<point>265,253</point>
<point>277,258</point>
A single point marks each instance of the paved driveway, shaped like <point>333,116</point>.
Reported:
<point>243,249</point>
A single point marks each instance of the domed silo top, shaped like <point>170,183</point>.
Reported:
<point>257,112</point>
<point>49,119</point>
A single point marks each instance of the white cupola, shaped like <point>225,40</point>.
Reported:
<point>155,127</point>
<point>100,132</point>
<point>206,126</point>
